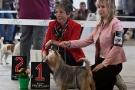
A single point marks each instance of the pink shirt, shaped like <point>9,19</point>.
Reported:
<point>113,54</point>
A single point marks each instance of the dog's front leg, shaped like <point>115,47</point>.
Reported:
<point>0,61</point>
<point>6,55</point>
<point>1,58</point>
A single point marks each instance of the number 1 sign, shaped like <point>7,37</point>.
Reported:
<point>18,62</point>
<point>40,73</point>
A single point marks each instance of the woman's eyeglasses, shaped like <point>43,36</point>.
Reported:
<point>59,13</point>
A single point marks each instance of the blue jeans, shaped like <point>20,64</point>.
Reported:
<point>10,29</point>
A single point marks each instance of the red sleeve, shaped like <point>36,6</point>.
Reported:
<point>76,32</point>
<point>47,36</point>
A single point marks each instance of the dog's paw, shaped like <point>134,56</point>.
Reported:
<point>7,63</point>
<point>1,63</point>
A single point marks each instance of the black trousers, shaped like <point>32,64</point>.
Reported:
<point>105,78</point>
<point>68,57</point>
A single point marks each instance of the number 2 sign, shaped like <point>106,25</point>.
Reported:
<point>40,73</point>
<point>18,62</point>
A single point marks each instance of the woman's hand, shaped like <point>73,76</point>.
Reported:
<point>18,12</point>
<point>44,55</point>
<point>48,44</point>
<point>98,67</point>
<point>65,44</point>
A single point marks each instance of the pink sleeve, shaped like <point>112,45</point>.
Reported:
<point>117,26</point>
<point>114,52</point>
<point>82,43</point>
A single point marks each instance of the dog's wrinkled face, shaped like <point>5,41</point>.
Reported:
<point>53,59</point>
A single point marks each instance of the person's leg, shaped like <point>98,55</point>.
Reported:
<point>68,58</point>
<point>9,36</point>
<point>133,36</point>
<point>38,37</point>
<point>125,19</point>
<point>25,41</point>
<point>106,77</point>
<point>2,31</point>
<point>120,83</point>
<point>15,31</point>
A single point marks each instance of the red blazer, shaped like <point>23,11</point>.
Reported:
<point>72,33</point>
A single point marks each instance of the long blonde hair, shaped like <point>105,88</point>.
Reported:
<point>111,11</point>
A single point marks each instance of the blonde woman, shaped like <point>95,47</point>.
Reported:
<point>108,40</point>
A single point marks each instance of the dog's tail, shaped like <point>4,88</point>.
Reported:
<point>88,67</point>
<point>1,41</point>
<point>87,63</point>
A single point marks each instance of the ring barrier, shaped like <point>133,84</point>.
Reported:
<point>88,15</point>
<point>125,24</point>
<point>90,22</point>
<point>8,11</point>
<point>125,16</point>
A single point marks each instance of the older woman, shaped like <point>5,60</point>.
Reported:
<point>108,39</point>
<point>63,29</point>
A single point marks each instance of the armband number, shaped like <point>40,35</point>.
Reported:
<point>118,38</point>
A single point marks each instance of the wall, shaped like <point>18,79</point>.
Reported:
<point>76,3</point>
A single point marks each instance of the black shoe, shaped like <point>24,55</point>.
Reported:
<point>10,41</point>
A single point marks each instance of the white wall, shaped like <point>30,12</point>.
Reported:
<point>76,3</point>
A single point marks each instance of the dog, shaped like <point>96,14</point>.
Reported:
<point>128,34</point>
<point>8,49</point>
<point>67,76</point>
<point>16,51</point>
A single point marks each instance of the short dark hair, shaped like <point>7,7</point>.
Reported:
<point>65,4</point>
<point>81,3</point>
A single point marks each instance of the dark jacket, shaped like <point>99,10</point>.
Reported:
<point>91,5</point>
<point>71,1</point>
<point>128,6</point>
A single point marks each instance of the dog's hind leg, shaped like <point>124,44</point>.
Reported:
<point>6,55</point>
<point>62,87</point>
<point>1,61</point>
<point>1,54</point>
<point>92,86</point>
<point>85,86</point>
